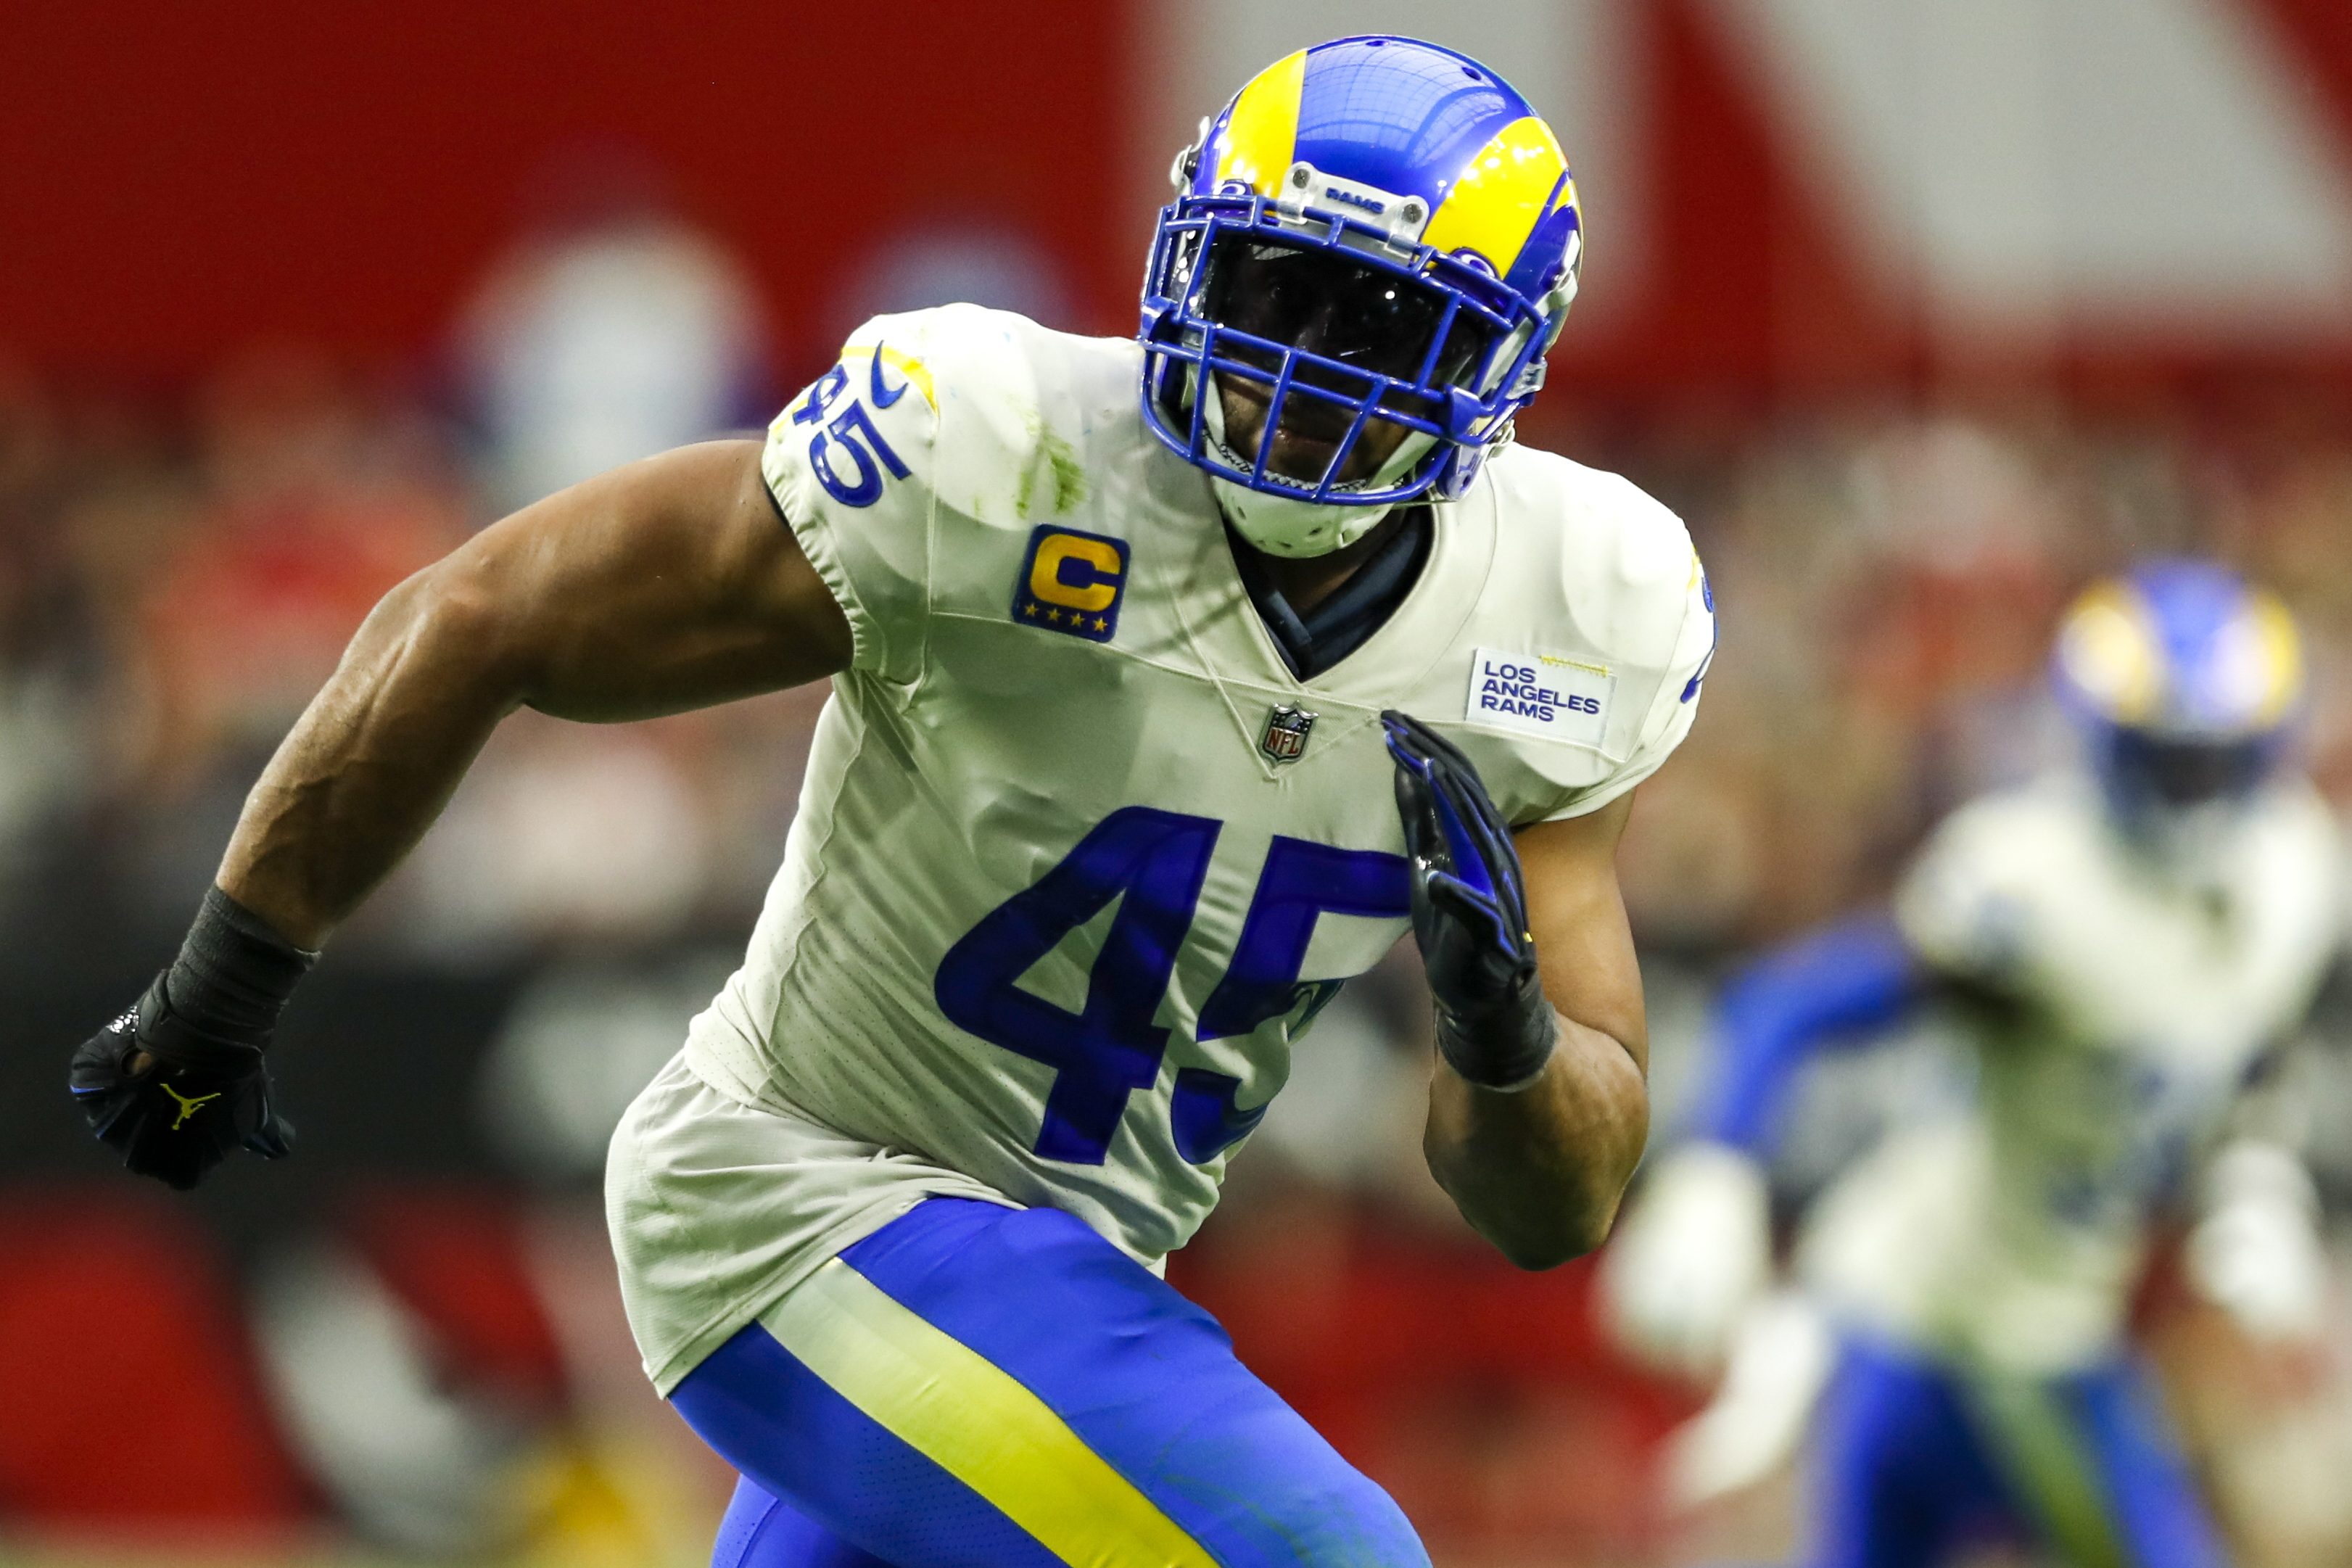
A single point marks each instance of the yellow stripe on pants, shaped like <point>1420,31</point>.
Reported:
<point>975,1421</point>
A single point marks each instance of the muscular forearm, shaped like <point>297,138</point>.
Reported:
<point>664,585</point>
<point>373,759</point>
<point>669,584</point>
<point>1539,1104</point>
<point>1540,1173</point>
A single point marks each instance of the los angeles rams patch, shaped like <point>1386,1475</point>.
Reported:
<point>1071,582</point>
<point>1537,694</point>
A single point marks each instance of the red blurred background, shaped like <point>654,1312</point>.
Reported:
<point>186,181</point>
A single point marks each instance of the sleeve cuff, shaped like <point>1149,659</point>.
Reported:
<point>787,487</point>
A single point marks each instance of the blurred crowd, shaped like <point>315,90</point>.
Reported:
<point>180,569</point>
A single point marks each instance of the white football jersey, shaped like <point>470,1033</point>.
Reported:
<point>2015,1234</point>
<point>1077,857</point>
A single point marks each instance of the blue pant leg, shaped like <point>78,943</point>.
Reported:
<point>1903,1477</point>
<point>1144,1380</point>
<point>1147,1380</point>
<point>794,1437</point>
<point>764,1531</point>
<point>2156,1507</point>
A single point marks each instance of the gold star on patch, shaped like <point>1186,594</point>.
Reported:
<point>1030,609</point>
<point>1101,624</point>
<point>1055,616</point>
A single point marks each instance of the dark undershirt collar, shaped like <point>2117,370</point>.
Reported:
<point>1314,642</point>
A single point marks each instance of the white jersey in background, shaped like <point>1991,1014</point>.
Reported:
<point>2012,1235</point>
<point>1077,857</point>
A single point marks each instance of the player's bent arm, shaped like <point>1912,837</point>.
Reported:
<point>1840,985</point>
<point>667,584</point>
<point>1538,1171</point>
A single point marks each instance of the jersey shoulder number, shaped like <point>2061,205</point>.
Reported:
<point>856,463</point>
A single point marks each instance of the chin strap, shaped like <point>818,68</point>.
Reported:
<point>1296,529</point>
<point>1285,525</point>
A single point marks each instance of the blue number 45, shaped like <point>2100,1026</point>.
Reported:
<point>1153,862</point>
<point>851,432</point>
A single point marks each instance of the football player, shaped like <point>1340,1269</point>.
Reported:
<point>2124,946</point>
<point>1116,785</point>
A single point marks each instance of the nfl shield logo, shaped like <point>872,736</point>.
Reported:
<point>1285,732</point>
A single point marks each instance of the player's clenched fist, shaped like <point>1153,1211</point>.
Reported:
<point>1469,913</point>
<point>180,1082</point>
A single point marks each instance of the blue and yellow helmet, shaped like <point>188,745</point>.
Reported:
<point>2185,681</point>
<point>1413,168</point>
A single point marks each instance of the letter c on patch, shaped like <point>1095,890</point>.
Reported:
<point>1074,572</point>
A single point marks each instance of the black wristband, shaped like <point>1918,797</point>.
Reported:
<point>1504,1049</point>
<point>234,974</point>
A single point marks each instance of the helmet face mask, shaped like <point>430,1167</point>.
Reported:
<point>2169,774</point>
<point>1336,306</point>
<point>1208,260</point>
<point>1303,338</point>
<point>2178,802</point>
<point>1334,309</point>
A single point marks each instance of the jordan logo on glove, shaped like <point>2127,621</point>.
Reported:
<point>188,1107</point>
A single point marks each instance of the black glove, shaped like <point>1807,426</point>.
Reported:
<point>1469,913</point>
<point>205,1022</point>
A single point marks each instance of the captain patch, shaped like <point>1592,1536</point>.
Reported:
<point>1071,582</point>
<point>1536,694</point>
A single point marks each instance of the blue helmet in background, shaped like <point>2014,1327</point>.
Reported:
<point>1375,229</point>
<point>2186,683</point>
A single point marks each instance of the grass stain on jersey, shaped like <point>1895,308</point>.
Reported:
<point>1058,458</point>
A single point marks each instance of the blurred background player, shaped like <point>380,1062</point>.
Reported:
<point>2127,945</point>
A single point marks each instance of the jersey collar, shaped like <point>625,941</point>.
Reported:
<point>1312,642</point>
<point>1225,632</point>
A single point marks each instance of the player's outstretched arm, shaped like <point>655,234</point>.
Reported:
<point>1540,1103</point>
<point>664,585</point>
<point>668,584</point>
